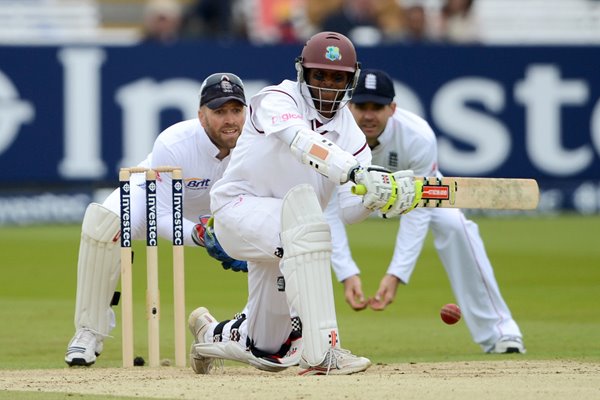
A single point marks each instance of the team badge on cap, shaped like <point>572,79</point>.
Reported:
<point>226,85</point>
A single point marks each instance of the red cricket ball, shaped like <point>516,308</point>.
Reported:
<point>450,314</point>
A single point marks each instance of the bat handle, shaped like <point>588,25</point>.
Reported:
<point>359,190</point>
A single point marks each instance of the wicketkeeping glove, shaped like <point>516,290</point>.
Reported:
<point>204,235</point>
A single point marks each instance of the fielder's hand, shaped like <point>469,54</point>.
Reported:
<point>204,235</point>
<point>354,294</point>
<point>391,194</point>
<point>385,294</point>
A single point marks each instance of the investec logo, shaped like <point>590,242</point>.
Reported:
<point>177,213</point>
<point>151,234</point>
<point>125,215</point>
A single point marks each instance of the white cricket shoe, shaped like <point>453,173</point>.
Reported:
<point>83,348</point>
<point>199,323</point>
<point>508,344</point>
<point>336,362</point>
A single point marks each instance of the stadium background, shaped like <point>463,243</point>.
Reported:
<point>78,101</point>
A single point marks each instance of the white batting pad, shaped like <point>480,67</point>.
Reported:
<point>306,256</point>
<point>98,269</point>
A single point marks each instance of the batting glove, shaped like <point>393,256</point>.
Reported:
<point>390,194</point>
<point>379,187</point>
<point>409,193</point>
<point>204,235</point>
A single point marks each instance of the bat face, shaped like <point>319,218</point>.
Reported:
<point>490,193</point>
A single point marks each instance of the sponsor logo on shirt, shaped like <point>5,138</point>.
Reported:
<point>197,183</point>
<point>284,117</point>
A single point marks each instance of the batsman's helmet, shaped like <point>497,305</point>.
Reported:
<point>330,51</point>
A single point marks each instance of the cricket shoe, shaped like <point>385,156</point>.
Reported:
<point>508,344</point>
<point>83,348</point>
<point>336,362</point>
<point>199,322</point>
<point>204,352</point>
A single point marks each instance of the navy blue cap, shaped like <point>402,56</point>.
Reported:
<point>220,88</point>
<point>374,86</point>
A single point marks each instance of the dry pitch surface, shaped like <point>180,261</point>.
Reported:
<point>502,379</point>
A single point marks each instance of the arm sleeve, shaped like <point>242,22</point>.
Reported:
<point>161,155</point>
<point>422,154</point>
<point>276,113</point>
<point>409,243</point>
<point>342,262</point>
<point>351,209</point>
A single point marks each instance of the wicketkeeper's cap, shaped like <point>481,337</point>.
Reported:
<point>220,88</point>
<point>374,86</point>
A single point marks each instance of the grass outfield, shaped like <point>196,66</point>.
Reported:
<point>548,270</point>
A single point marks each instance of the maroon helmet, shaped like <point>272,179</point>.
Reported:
<point>330,51</point>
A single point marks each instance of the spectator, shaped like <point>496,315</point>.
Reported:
<point>416,29</point>
<point>367,22</point>
<point>214,19</point>
<point>391,19</point>
<point>312,15</point>
<point>457,22</point>
<point>357,20</point>
<point>271,21</point>
<point>162,21</point>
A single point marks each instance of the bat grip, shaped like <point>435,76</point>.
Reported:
<point>359,190</point>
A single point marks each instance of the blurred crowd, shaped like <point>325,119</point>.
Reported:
<point>365,22</point>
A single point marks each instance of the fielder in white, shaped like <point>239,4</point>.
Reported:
<point>401,140</point>
<point>299,146</point>
<point>201,147</point>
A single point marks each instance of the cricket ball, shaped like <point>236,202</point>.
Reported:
<point>450,314</point>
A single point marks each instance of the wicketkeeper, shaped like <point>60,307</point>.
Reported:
<point>201,148</point>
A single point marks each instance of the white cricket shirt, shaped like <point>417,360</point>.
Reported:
<point>262,163</point>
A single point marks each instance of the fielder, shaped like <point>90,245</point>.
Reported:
<point>400,139</point>
<point>300,144</point>
<point>201,147</point>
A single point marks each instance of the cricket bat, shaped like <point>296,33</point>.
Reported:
<point>489,193</point>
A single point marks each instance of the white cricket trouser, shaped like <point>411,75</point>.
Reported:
<point>462,253</point>
<point>248,229</point>
<point>471,276</point>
